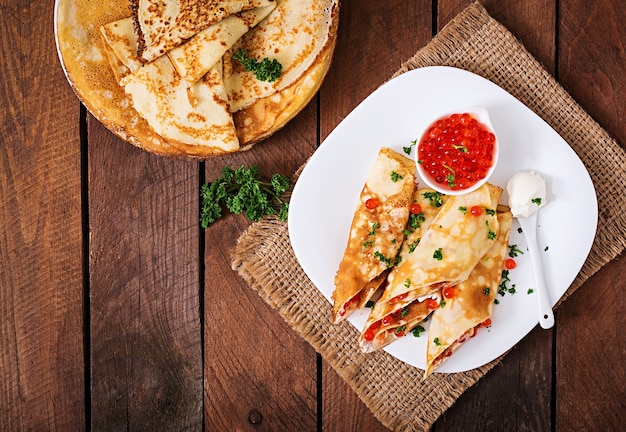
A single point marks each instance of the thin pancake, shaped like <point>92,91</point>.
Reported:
<point>196,56</point>
<point>375,233</point>
<point>376,334</point>
<point>120,44</point>
<point>449,248</point>
<point>471,306</point>
<point>294,34</point>
<point>183,115</point>
<point>162,26</point>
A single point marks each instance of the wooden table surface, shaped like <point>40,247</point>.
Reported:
<point>118,312</point>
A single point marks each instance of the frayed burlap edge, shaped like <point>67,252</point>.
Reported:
<point>263,256</point>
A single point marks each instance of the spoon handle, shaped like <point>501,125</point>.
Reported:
<point>529,226</point>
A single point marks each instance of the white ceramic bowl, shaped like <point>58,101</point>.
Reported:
<point>482,116</point>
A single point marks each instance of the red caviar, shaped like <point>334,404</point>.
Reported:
<point>372,203</point>
<point>457,151</point>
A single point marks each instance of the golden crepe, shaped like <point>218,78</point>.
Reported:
<point>470,307</point>
<point>376,231</point>
<point>294,34</point>
<point>163,25</point>
<point>194,58</point>
<point>182,113</point>
<point>449,248</point>
<point>95,70</point>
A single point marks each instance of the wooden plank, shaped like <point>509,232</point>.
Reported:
<point>146,355</point>
<point>41,350</point>
<point>259,373</point>
<point>591,377</point>
<point>363,61</point>
<point>517,393</point>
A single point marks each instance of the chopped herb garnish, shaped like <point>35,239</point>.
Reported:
<point>436,341</point>
<point>368,243</point>
<point>451,181</point>
<point>545,249</point>
<point>463,209</point>
<point>504,288</point>
<point>438,255</point>
<point>395,176</point>
<point>536,201</point>
<point>404,312</point>
<point>487,291</point>
<point>434,198</point>
<point>442,304</point>
<point>242,190</point>
<point>496,301</point>
<point>530,291</point>
<point>413,245</point>
<point>489,211</point>
<point>400,329</point>
<point>383,258</point>
<point>514,251</point>
<point>461,148</point>
<point>407,283</point>
<point>417,331</point>
<point>375,226</point>
<point>264,70</point>
<point>407,149</point>
<point>415,220</point>
<point>490,234</point>
<point>519,230</point>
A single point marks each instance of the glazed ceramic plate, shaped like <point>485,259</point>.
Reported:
<point>325,197</point>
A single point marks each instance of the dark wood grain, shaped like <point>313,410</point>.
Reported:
<point>146,356</point>
<point>590,368</point>
<point>41,344</point>
<point>259,373</point>
<point>117,312</point>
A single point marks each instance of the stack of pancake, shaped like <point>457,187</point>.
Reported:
<point>173,59</point>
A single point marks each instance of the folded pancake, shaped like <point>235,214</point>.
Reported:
<point>471,303</point>
<point>185,116</point>
<point>193,58</point>
<point>376,231</point>
<point>163,25</point>
<point>397,321</point>
<point>120,45</point>
<point>450,245</point>
<point>294,34</point>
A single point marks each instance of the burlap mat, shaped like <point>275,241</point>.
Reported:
<point>264,258</point>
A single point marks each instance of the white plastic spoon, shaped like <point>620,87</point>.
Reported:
<point>527,194</point>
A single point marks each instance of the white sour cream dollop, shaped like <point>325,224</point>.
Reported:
<point>527,193</point>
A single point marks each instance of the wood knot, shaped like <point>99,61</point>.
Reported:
<point>255,417</point>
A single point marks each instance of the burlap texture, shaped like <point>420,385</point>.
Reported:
<point>264,258</point>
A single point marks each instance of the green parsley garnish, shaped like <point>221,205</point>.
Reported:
<point>383,258</point>
<point>461,148</point>
<point>407,149</point>
<point>434,198</point>
<point>438,255</point>
<point>489,211</point>
<point>395,176</point>
<point>536,201</point>
<point>490,234</point>
<point>413,245</point>
<point>436,341</point>
<point>514,251</point>
<point>264,70</point>
<point>375,226</point>
<point>400,329</point>
<point>407,283</point>
<point>417,331</point>
<point>450,177</point>
<point>487,291</point>
<point>545,249</point>
<point>404,312</point>
<point>368,243</point>
<point>530,291</point>
<point>415,220</point>
<point>463,209</point>
<point>241,190</point>
<point>504,288</point>
<point>442,304</point>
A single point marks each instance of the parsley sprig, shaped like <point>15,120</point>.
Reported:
<point>242,190</point>
<point>264,70</point>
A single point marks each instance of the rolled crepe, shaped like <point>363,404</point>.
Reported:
<point>471,305</point>
<point>450,246</point>
<point>376,233</point>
